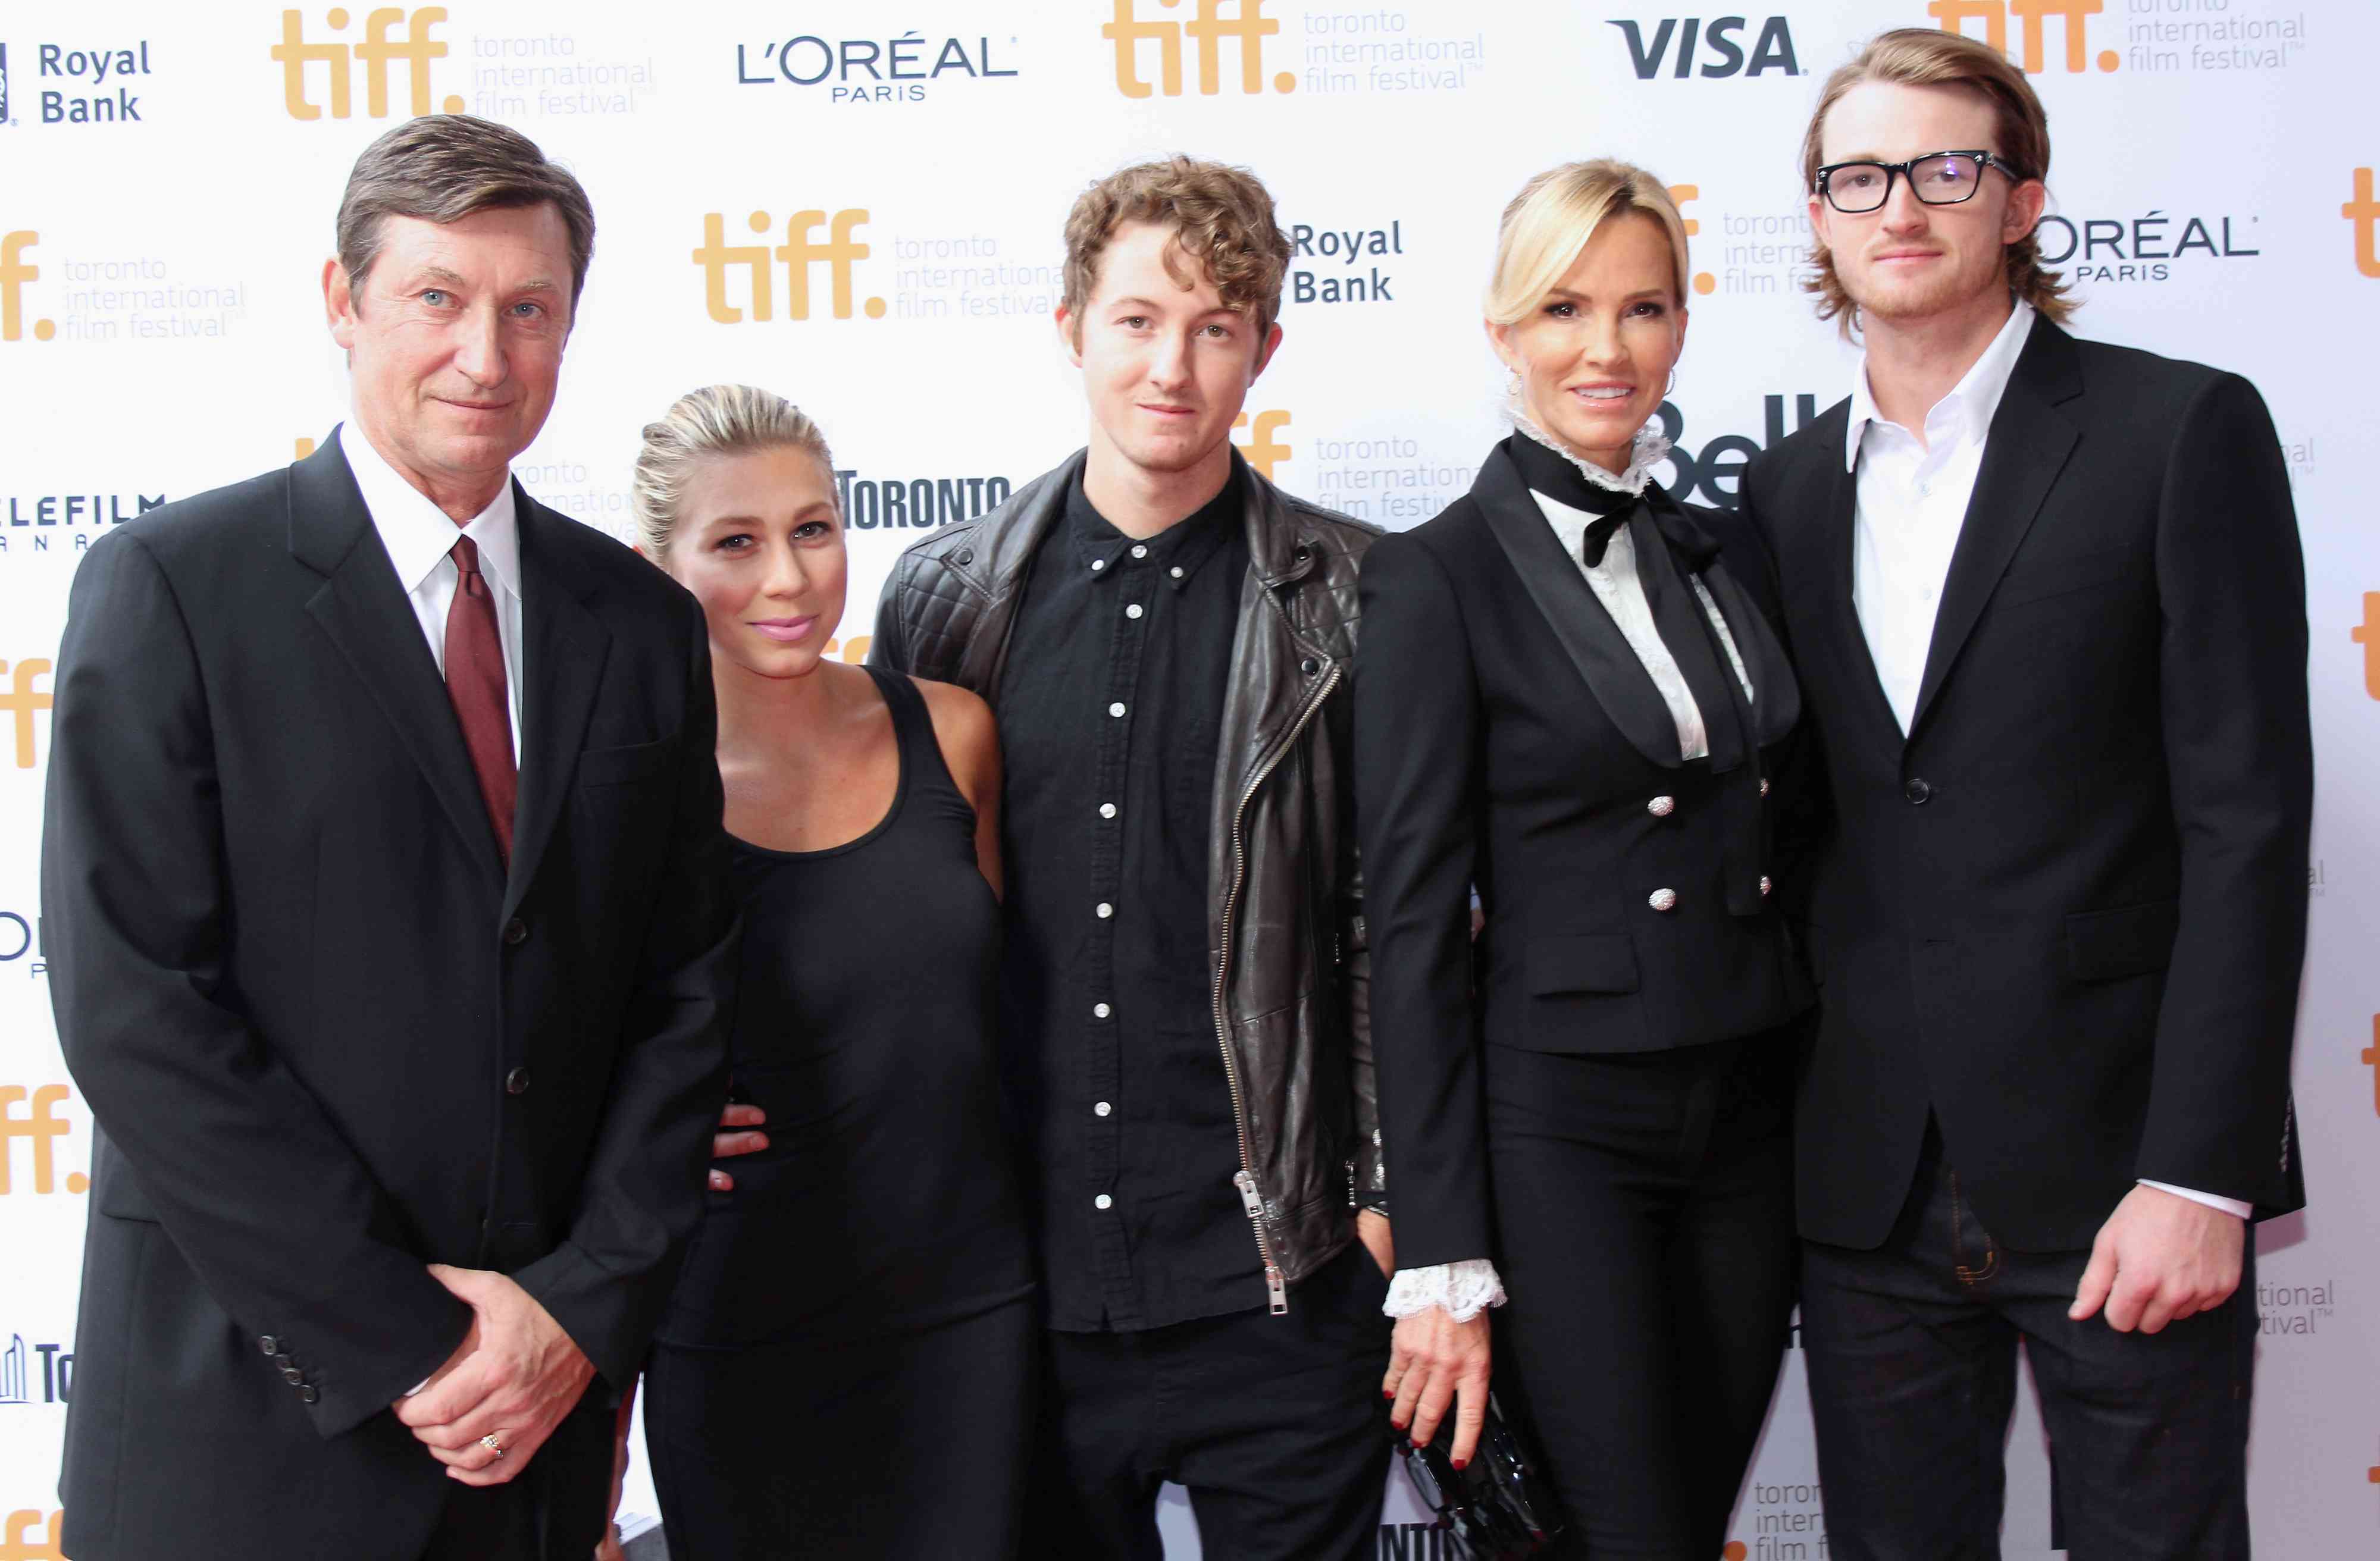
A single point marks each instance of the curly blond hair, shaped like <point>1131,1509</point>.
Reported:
<point>1222,218</point>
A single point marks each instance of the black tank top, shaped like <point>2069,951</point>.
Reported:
<point>864,1024</point>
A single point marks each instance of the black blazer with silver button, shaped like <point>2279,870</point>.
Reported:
<point>2064,912</point>
<point>1508,737</point>
<point>328,1040</point>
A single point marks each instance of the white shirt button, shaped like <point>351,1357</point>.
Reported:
<point>1765,884</point>
<point>1100,1011</point>
<point>1176,572</point>
<point>1102,1202</point>
<point>1101,1110</point>
<point>1116,708</point>
<point>1661,807</point>
<point>1663,900</point>
<point>1133,611</point>
<point>1763,786</point>
<point>1098,564</point>
<point>1107,810</point>
<point>1140,549</point>
<point>1106,910</point>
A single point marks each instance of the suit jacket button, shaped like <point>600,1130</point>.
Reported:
<point>269,1344</point>
<point>516,1081</point>
<point>516,932</point>
<point>1916,790</point>
<point>284,1360</point>
<point>307,1395</point>
<point>1661,807</point>
<point>1766,884</point>
<point>1663,900</point>
<point>1763,785</point>
<point>293,1377</point>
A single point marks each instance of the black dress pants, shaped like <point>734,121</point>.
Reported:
<point>1913,1352</point>
<point>1275,1424</point>
<point>1645,1213</point>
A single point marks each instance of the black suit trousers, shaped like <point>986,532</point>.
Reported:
<point>1645,1219</point>
<point>1913,1352</point>
<point>556,1509</point>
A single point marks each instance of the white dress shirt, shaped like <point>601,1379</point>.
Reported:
<point>420,538</point>
<point>1911,504</point>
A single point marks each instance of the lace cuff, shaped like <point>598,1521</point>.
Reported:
<point>1464,1289</point>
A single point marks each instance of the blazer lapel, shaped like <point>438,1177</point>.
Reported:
<point>1612,672</point>
<point>1776,694</point>
<point>564,647</point>
<point>2029,443</point>
<point>1837,525</point>
<point>364,609</point>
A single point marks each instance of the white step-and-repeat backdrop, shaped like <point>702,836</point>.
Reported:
<point>859,204</point>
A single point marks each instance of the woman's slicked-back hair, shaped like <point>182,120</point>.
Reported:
<point>1549,221</point>
<point>1928,56</point>
<point>715,421</point>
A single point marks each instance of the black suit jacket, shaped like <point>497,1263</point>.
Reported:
<point>326,1039</point>
<point>1507,736</point>
<point>2065,914</point>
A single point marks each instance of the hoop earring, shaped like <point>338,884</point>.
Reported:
<point>1673,382</point>
<point>1512,382</point>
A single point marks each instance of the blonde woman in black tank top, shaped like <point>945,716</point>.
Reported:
<point>844,1367</point>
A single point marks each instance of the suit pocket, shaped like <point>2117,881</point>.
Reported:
<point>2040,579</point>
<point>621,767</point>
<point>1593,962</point>
<point>2129,940</point>
<point>120,1195</point>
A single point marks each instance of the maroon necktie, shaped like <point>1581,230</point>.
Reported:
<point>475,681</point>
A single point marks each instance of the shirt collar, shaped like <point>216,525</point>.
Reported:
<point>417,534</point>
<point>1178,550</point>
<point>1973,401</point>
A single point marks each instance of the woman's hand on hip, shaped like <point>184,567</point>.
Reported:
<point>1434,1360</point>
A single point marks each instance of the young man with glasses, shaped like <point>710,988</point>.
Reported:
<point>2047,602</point>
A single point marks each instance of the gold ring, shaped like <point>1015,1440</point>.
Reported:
<point>489,1442</point>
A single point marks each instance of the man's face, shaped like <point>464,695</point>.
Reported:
<point>1165,367</point>
<point>454,340</point>
<point>1907,260</point>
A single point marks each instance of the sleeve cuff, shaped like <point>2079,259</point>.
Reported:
<point>2228,1205</point>
<point>1461,1289</point>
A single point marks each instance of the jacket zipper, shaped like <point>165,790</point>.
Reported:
<point>1275,1287</point>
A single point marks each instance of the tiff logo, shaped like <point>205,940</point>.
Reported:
<point>15,272</point>
<point>1249,28</point>
<point>2035,15</point>
<point>21,700</point>
<point>799,252</point>
<point>416,49</point>
<point>39,1126</point>
<point>2363,212</point>
<point>2367,635</point>
<point>1260,450</point>
<point>20,1543</point>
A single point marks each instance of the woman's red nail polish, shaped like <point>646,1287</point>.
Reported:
<point>1460,1462</point>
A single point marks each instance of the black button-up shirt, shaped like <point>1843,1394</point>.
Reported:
<point>1111,710</point>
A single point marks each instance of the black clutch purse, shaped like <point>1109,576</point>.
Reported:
<point>1500,1505</point>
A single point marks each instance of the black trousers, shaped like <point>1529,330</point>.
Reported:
<point>1275,1424</point>
<point>1645,1213</point>
<point>1913,1352</point>
<point>553,1510</point>
<point>888,1448</point>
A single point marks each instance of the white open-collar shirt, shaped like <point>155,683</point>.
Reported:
<point>420,538</point>
<point>1913,501</point>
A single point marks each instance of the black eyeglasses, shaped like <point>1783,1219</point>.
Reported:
<point>1941,178</point>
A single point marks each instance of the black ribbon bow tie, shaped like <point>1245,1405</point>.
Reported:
<point>1694,547</point>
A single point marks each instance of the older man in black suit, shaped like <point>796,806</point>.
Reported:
<point>382,870</point>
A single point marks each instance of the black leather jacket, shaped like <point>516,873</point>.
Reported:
<point>1285,903</point>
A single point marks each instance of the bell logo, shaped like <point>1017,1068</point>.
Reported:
<point>1261,451</point>
<point>20,699</point>
<point>1773,50</point>
<point>1994,14</point>
<point>20,1543</point>
<point>40,1125</point>
<point>416,49</point>
<point>1250,27</point>
<point>2362,212</point>
<point>840,252</point>
<point>16,271</point>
